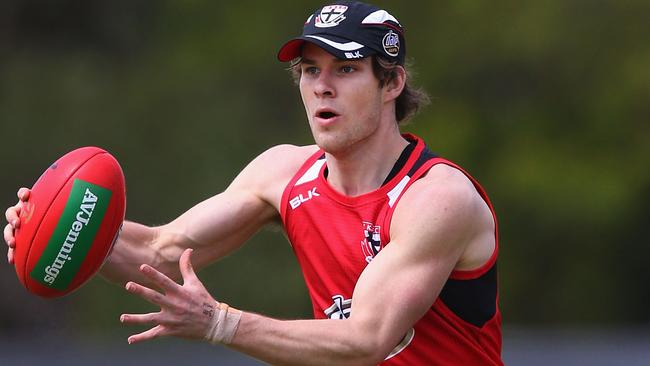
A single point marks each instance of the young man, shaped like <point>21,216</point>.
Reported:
<point>398,247</point>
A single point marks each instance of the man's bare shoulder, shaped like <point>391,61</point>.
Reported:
<point>446,185</point>
<point>446,178</point>
<point>446,208</point>
<point>270,172</point>
<point>286,158</point>
<point>278,162</point>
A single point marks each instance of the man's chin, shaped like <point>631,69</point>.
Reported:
<point>330,144</point>
<point>333,145</point>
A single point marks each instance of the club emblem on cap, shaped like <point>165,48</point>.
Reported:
<point>391,43</point>
<point>330,16</point>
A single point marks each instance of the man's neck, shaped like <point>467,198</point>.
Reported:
<point>365,166</point>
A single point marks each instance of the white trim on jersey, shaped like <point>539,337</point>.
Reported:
<point>395,192</point>
<point>311,173</point>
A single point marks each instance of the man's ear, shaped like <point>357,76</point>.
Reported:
<point>394,87</point>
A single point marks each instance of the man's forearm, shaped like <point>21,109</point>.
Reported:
<point>133,247</point>
<point>307,342</point>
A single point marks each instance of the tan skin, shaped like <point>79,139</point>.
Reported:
<point>441,224</point>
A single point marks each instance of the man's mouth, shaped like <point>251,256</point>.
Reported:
<point>326,114</point>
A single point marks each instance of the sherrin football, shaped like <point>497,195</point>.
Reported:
<point>70,222</point>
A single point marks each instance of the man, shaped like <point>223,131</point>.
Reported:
<point>398,247</point>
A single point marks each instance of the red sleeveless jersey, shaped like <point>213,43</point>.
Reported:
<point>335,236</point>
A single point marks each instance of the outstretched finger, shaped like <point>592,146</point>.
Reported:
<point>185,265</point>
<point>139,318</point>
<point>152,333</point>
<point>148,294</point>
<point>165,283</point>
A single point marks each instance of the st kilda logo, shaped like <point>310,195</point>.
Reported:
<point>330,16</point>
<point>371,244</point>
<point>340,308</point>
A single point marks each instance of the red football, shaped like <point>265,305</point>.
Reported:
<point>70,222</point>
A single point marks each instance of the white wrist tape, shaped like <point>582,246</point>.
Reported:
<point>223,325</point>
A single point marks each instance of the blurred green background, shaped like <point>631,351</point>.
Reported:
<point>547,103</point>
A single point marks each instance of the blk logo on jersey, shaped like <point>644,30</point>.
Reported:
<point>371,244</point>
<point>330,16</point>
<point>340,309</point>
<point>302,198</point>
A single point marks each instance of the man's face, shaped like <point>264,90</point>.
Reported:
<point>342,99</point>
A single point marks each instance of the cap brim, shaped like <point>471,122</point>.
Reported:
<point>291,50</point>
<point>339,47</point>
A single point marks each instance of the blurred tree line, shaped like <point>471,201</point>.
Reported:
<point>547,103</point>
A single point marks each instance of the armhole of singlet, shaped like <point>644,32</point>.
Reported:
<point>425,167</point>
<point>470,295</point>
<point>491,262</point>
<point>292,183</point>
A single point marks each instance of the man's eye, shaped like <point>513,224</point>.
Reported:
<point>347,69</point>
<point>311,70</point>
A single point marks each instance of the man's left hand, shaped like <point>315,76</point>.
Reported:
<point>186,310</point>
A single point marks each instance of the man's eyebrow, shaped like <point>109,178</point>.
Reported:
<point>308,61</point>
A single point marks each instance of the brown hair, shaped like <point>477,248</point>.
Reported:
<point>407,103</point>
<point>411,99</point>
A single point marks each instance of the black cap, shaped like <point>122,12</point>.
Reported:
<point>350,30</point>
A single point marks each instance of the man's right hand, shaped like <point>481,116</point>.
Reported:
<point>13,222</point>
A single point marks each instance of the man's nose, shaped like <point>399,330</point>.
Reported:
<point>324,86</point>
